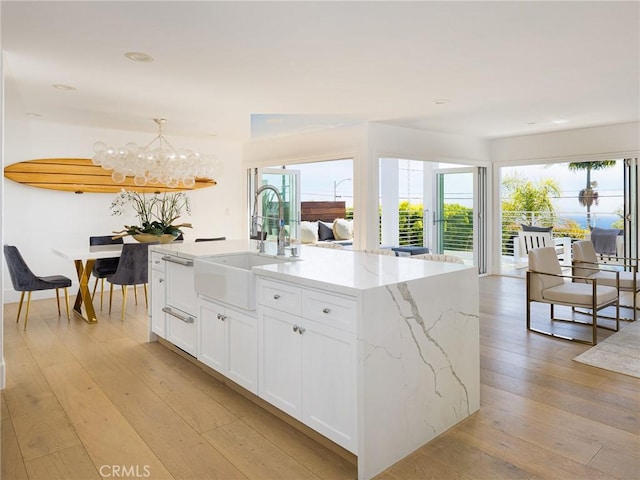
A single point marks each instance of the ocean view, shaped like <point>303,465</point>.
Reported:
<point>601,220</point>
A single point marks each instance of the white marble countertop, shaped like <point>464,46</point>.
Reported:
<point>343,271</point>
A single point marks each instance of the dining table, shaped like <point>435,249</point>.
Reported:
<point>84,259</point>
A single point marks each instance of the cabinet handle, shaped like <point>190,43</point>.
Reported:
<point>295,328</point>
<point>301,330</point>
<point>160,280</point>
<point>222,317</point>
<point>276,296</point>
<point>326,310</point>
<point>179,261</point>
<point>187,319</point>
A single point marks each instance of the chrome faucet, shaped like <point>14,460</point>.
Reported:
<point>254,218</point>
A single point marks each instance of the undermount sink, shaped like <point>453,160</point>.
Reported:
<point>230,278</point>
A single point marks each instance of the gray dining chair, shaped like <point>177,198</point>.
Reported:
<point>133,269</point>
<point>24,280</point>
<point>103,266</point>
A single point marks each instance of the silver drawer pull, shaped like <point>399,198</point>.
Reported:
<point>222,317</point>
<point>187,319</point>
<point>301,330</point>
<point>276,296</point>
<point>179,261</point>
<point>160,280</point>
<point>295,328</point>
<point>326,310</point>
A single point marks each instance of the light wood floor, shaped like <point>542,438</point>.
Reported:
<point>82,400</point>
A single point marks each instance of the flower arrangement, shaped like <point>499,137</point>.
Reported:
<point>157,213</point>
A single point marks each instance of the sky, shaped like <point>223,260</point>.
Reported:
<point>317,180</point>
<point>609,188</point>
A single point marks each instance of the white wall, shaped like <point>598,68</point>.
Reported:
<point>37,220</point>
<point>582,144</point>
<point>2,362</point>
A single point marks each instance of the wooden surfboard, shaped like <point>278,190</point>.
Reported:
<point>80,175</point>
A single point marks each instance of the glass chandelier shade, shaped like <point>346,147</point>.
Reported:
<point>156,163</point>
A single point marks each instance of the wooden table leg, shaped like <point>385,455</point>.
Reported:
<point>84,295</point>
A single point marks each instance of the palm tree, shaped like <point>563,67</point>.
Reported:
<point>588,195</point>
<point>529,199</point>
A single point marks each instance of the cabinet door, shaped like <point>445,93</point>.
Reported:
<point>242,337</point>
<point>181,289</point>
<point>158,296</point>
<point>280,366</point>
<point>212,338</point>
<point>329,383</point>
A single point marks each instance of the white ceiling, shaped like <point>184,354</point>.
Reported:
<point>506,68</point>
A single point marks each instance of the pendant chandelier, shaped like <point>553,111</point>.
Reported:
<point>156,163</point>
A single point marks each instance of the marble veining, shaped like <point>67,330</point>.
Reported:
<point>420,363</point>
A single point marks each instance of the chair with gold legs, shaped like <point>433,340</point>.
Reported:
<point>133,269</point>
<point>547,284</point>
<point>625,272</point>
<point>24,280</point>
<point>103,266</point>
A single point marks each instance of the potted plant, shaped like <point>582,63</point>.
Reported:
<point>156,214</point>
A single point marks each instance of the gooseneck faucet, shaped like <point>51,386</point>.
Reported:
<point>254,217</point>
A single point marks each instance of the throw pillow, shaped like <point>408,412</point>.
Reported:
<point>531,228</point>
<point>325,231</point>
<point>309,232</point>
<point>342,229</point>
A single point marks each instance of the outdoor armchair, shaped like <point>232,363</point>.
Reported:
<point>527,241</point>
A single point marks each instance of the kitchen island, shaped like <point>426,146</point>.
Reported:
<point>379,354</point>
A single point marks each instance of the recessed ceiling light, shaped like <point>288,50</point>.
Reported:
<point>139,57</point>
<point>62,86</point>
<point>33,114</point>
<point>559,122</point>
<point>440,102</point>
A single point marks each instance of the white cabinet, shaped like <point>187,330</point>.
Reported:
<point>181,290</point>
<point>307,363</point>
<point>280,367</point>
<point>181,305</point>
<point>228,342</point>
<point>158,295</point>
<point>329,383</point>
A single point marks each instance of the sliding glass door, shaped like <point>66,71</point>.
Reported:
<point>458,220</point>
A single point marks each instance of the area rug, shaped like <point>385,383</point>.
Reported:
<point>618,353</point>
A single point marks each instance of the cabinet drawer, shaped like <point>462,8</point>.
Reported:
<point>280,296</point>
<point>181,330</point>
<point>156,262</point>
<point>330,309</point>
